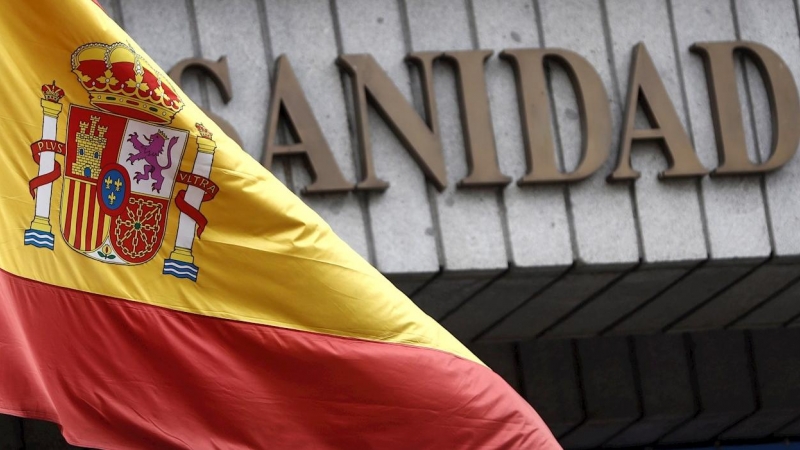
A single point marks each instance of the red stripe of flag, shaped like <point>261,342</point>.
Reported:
<point>68,217</point>
<point>120,374</point>
<point>79,219</point>
<point>101,219</point>
<point>91,222</point>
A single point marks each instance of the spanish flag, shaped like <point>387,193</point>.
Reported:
<point>161,289</point>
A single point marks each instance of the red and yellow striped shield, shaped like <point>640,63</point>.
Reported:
<point>119,177</point>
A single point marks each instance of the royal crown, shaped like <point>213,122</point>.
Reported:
<point>204,132</point>
<point>120,81</point>
<point>52,93</point>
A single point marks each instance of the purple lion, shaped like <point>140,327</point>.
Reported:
<point>150,153</point>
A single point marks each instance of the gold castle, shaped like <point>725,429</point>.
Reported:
<point>90,149</point>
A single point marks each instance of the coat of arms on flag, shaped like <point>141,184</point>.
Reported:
<point>121,165</point>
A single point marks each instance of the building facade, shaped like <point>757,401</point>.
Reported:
<point>600,197</point>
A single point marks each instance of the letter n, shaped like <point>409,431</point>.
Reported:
<point>420,139</point>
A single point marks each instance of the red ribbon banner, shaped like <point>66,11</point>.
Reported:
<point>209,189</point>
<point>37,148</point>
<point>191,211</point>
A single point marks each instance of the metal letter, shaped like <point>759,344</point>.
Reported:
<point>727,113</point>
<point>529,68</point>
<point>219,74</point>
<point>476,120</point>
<point>420,139</point>
<point>646,88</point>
<point>288,98</point>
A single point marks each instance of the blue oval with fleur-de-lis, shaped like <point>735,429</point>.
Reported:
<point>113,187</point>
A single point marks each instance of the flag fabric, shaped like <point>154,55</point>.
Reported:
<point>161,289</point>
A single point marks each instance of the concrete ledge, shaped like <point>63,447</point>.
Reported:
<point>724,387</point>
<point>776,358</point>
<point>584,301</point>
<point>666,390</point>
<point>409,283</point>
<point>609,392</point>
<point>555,302</point>
<point>741,298</point>
<point>44,435</point>
<point>551,383</point>
<point>625,296</point>
<point>496,300</point>
<point>502,358</point>
<point>781,308</point>
<point>11,433</point>
<point>448,290</point>
<point>697,287</point>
